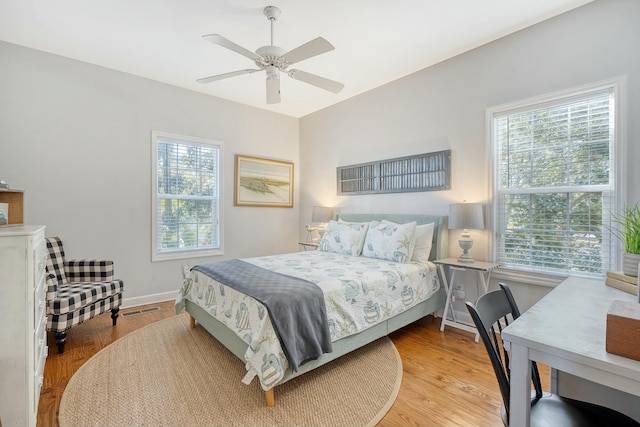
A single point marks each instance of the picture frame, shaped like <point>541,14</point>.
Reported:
<point>263,182</point>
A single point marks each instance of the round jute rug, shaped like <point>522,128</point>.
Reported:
<point>167,374</point>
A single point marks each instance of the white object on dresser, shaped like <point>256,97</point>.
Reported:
<point>23,317</point>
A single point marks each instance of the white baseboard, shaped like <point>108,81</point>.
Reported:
<point>148,299</point>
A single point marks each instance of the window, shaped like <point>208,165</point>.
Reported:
<point>186,197</point>
<point>555,183</point>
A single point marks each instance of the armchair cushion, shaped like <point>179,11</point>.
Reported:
<point>62,322</point>
<point>72,297</point>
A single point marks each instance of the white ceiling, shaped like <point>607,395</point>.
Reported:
<point>375,41</point>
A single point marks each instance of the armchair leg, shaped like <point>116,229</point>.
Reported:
<point>114,315</point>
<point>61,340</point>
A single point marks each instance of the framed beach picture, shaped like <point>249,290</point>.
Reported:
<point>263,182</point>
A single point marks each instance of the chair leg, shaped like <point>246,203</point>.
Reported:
<point>61,340</point>
<point>114,315</point>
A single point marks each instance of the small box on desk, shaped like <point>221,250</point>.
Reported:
<point>623,329</point>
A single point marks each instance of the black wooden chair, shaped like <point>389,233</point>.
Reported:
<point>495,310</point>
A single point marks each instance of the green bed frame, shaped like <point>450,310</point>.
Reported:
<point>348,344</point>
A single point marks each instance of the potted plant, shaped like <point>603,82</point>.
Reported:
<point>629,234</point>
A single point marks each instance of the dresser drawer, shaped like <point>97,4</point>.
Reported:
<point>40,303</point>
<point>42,352</point>
<point>37,384</point>
<point>39,251</point>
<point>40,341</point>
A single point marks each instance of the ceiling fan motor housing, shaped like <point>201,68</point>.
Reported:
<point>272,55</point>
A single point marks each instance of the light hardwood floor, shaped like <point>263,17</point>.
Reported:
<point>447,378</point>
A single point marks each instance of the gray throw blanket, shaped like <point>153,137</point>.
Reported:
<point>296,306</point>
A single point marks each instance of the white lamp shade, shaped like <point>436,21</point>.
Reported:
<point>321,214</point>
<point>466,216</point>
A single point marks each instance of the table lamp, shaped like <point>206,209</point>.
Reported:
<point>466,216</point>
<point>322,215</point>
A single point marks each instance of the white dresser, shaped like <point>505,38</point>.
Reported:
<point>23,335</point>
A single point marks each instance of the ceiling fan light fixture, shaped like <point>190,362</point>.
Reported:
<point>272,72</point>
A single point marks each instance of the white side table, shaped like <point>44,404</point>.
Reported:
<point>309,246</point>
<point>483,269</point>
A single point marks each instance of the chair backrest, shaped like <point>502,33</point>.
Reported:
<point>491,314</point>
<point>55,259</point>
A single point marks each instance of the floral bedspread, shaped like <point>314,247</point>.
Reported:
<point>359,293</point>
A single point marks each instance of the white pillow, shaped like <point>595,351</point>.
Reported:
<point>344,238</point>
<point>390,241</point>
<point>424,240</point>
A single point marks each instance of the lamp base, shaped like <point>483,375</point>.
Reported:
<point>466,258</point>
<point>321,229</point>
<point>465,244</point>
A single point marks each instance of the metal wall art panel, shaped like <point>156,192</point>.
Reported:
<point>420,172</point>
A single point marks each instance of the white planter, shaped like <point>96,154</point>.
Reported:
<point>630,264</point>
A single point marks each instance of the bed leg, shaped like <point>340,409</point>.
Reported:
<point>192,322</point>
<point>270,396</point>
<point>435,314</point>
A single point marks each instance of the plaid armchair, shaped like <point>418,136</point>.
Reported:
<point>78,290</point>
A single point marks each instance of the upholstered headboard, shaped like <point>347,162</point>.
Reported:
<point>440,246</point>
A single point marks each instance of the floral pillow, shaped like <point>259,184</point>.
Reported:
<point>390,241</point>
<point>344,238</point>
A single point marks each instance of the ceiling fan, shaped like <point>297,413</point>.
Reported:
<point>274,59</point>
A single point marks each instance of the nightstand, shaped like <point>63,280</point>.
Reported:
<point>309,246</point>
<point>483,269</point>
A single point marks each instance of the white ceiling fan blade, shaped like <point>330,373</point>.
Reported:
<point>226,75</point>
<point>308,50</point>
<point>312,79</point>
<point>273,90</point>
<point>221,41</point>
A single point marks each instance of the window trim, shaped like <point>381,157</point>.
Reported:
<point>184,253</point>
<point>618,86</point>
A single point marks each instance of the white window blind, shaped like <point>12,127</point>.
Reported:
<point>186,197</point>
<point>554,184</point>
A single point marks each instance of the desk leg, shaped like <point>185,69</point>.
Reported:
<point>520,386</point>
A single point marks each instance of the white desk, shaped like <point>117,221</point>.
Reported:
<point>566,330</point>
<point>483,269</point>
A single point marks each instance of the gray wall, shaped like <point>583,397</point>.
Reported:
<point>444,107</point>
<point>77,139</point>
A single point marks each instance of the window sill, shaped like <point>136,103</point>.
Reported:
<point>169,256</point>
<point>527,277</point>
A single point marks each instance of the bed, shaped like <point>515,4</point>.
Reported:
<point>368,293</point>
